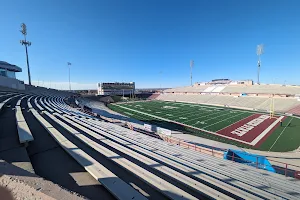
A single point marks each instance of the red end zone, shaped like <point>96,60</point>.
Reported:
<point>248,130</point>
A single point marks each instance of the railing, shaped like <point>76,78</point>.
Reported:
<point>214,151</point>
<point>288,170</point>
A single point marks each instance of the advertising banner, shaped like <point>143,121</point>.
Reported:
<point>164,131</point>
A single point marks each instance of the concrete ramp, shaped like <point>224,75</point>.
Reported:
<point>209,89</point>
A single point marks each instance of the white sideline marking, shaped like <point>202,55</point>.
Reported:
<point>128,113</point>
<point>222,120</point>
<point>201,129</point>
<point>279,135</point>
<point>267,130</point>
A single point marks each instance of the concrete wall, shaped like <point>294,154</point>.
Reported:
<point>11,83</point>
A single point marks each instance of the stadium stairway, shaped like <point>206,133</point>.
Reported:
<point>12,148</point>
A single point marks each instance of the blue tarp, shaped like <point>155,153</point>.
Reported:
<point>254,160</point>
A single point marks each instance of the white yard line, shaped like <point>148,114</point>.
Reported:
<point>255,141</point>
<point>220,106</point>
<point>203,116</point>
<point>279,135</point>
<point>179,113</point>
<point>223,120</point>
<point>226,113</point>
<point>190,116</point>
<point>266,131</point>
<point>224,136</point>
<point>234,123</point>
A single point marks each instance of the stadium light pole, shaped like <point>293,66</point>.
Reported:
<point>160,76</point>
<point>69,64</point>
<point>259,52</point>
<point>191,66</point>
<point>26,44</point>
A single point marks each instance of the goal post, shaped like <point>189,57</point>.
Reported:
<point>272,108</point>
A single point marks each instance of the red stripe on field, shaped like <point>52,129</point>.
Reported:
<point>268,134</point>
<point>250,135</point>
<point>241,122</point>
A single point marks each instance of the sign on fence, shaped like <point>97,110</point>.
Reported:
<point>153,128</point>
<point>147,127</point>
<point>164,131</point>
<point>150,128</point>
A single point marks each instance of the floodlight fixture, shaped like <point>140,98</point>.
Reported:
<point>191,67</point>
<point>259,52</point>
<point>26,44</point>
<point>69,65</point>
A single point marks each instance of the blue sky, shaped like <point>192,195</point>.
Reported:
<point>133,40</point>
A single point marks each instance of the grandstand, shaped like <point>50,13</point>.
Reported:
<point>231,99</point>
<point>282,104</point>
<point>71,145</point>
<point>233,89</point>
<point>8,76</point>
<point>116,88</point>
<point>238,94</point>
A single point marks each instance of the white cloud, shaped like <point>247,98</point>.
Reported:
<point>65,85</point>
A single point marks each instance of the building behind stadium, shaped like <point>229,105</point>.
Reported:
<point>8,76</point>
<point>116,88</point>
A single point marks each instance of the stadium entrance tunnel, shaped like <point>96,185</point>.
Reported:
<point>254,160</point>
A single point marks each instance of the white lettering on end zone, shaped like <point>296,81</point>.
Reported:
<point>249,126</point>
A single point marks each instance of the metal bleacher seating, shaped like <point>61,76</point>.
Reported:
<point>254,184</point>
<point>24,132</point>
<point>266,89</point>
<point>174,171</point>
<point>250,102</point>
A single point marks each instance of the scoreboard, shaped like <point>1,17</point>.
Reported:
<point>116,88</point>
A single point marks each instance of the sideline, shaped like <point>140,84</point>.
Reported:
<point>279,136</point>
<point>203,130</point>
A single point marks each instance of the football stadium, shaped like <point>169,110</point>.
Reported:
<point>173,138</point>
<point>218,123</point>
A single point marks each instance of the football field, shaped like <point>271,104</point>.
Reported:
<point>239,127</point>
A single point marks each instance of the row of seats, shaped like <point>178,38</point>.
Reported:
<point>265,89</point>
<point>259,103</point>
<point>226,170</point>
<point>295,110</point>
<point>160,184</point>
<point>174,171</point>
<point>121,190</point>
<point>257,89</point>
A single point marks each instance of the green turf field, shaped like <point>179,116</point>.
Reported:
<point>211,118</point>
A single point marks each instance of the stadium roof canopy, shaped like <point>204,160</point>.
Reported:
<point>9,67</point>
